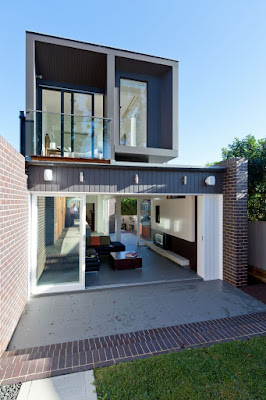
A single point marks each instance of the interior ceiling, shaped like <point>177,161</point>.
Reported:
<point>69,65</point>
<point>140,67</point>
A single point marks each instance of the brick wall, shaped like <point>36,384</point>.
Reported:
<point>235,222</point>
<point>13,240</point>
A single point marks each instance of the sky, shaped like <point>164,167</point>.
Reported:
<point>220,46</point>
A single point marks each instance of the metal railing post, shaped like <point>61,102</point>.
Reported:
<point>22,133</point>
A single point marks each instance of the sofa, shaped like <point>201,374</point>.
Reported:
<point>103,245</point>
<point>99,246</point>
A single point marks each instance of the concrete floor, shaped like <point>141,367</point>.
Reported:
<point>154,268</point>
<point>67,317</point>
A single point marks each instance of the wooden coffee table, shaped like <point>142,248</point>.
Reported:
<point>119,261</point>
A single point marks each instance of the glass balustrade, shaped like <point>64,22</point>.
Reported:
<point>66,135</point>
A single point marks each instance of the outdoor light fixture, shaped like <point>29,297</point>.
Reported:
<point>81,177</point>
<point>210,180</point>
<point>136,179</point>
<point>184,180</point>
<point>48,175</point>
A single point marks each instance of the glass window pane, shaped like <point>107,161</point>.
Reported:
<point>58,241</point>
<point>67,124</point>
<point>133,113</point>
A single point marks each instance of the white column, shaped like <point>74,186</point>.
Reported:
<point>133,140</point>
<point>118,219</point>
<point>138,221</point>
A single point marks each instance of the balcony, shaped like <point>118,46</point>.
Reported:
<point>71,136</point>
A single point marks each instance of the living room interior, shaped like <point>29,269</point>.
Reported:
<point>159,232</point>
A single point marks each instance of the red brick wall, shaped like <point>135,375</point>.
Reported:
<point>13,240</point>
<point>235,222</point>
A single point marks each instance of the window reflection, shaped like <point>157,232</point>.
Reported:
<point>133,113</point>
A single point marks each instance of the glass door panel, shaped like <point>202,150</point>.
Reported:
<point>67,124</point>
<point>83,127</point>
<point>59,242</point>
<point>145,220</point>
<point>51,122</point>
<point>98,126</point>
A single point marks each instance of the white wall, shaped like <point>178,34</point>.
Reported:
<point>177,217</point>
<point>257,244</point>
<point>102,219</point>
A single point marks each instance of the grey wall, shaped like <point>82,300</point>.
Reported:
<point>46,230</point>
<point>114,179</point>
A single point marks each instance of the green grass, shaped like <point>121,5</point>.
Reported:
<point>234,370</point>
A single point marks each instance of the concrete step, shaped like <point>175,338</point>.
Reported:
<point>184,262</point>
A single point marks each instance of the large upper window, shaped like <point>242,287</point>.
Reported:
<point>133,113</point>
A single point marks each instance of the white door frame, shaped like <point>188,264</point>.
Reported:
<point>210,237</point>
<point>62,287</point>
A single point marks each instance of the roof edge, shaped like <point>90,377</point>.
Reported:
<point>101,45</point>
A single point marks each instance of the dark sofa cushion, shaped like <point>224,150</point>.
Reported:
<point>118,246</point>
<point>95,241</point>
<point>104,240</point>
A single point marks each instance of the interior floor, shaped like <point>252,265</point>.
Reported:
<point>154,267</point>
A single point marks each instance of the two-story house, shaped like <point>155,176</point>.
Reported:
<point>101,124</point>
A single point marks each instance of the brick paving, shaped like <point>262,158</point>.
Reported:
<point>64,358</point>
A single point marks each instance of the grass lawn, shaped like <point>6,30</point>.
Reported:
<point>234,370</point>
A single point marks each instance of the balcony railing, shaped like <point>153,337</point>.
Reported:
<point>64,135</point>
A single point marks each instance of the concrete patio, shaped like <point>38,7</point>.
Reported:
<point>69,317</point>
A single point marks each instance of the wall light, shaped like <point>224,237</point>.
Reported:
<point>136,179</point>
<point>48,175</point>
<point>184,180</point>
<point>210,180</point>
<point>81,177</point>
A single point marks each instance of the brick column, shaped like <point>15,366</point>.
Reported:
<point>235,222</point>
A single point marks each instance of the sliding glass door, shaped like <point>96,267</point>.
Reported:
<point>72,123</point>
<point>59,252</point>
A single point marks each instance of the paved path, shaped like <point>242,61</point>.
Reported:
<point>65,358</point>
<point>69,317</point>
<point>78,386</point>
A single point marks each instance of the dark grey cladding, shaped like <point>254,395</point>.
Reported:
<point>121,179</point>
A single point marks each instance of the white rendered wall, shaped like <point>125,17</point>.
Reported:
<point>177,217</point>
<point>210,237</point>
<point>257,244</point>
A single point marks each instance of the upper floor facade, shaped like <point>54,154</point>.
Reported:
<point>97,103</point>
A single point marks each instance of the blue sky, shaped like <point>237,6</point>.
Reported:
<point>220,45</point>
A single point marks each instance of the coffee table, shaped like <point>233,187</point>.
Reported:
<point>119,261</point>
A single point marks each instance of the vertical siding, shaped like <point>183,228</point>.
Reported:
<point>122,180</point>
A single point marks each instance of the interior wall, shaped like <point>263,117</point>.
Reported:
<point>60,216</point>
<point>89,200</point>
<point>177,217</point>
